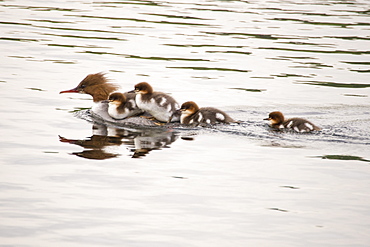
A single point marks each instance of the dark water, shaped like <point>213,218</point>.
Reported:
<point>70,179</point>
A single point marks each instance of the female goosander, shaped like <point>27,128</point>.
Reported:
<point>160,105</point>
<point>192,114</point>
<point>121,107</point>
<point>95,85</point>
<point>278,121</point>
<point>98,87</point>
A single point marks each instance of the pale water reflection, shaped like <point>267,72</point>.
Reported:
<point>65,182</point>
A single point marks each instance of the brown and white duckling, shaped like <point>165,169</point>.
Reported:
<point>192,114</point>
<point>95,85</point>
<point>160,105</point>
<point>121,106</point>
<point>278,121</point>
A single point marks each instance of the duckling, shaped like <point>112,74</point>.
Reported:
<point>160,105</point>
<point>278,121</point>
<point>192,114</point>
<point>121,106</point>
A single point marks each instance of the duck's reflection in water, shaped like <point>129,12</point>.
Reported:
<point>139,142</point>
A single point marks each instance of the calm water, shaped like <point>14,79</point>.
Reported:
<point>68,180</point>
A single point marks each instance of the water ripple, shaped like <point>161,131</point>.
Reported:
<point>210,68</point>
<point>41,8</point>
<point>141,20</point>
<point>141,2</point>
<point>317,51</point>
<point>335,84</point>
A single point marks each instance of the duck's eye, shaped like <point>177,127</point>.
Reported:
<point>83,86</point>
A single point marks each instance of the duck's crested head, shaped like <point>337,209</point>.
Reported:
<point>143,88</point>
<point>96,85</point>
<point>189,107</point>
<point>93,80</point>
<point>89,81</point>
<point>275,117</point>
<point>117,98</point>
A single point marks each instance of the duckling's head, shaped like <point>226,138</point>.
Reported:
<point>275,117</point>
<point>143,88</point>
<point>117,98</point>
<point>189,108</point>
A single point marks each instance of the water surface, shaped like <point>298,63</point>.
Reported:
<point>68,179</point>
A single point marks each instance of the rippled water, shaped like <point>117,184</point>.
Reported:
<point>70,179</point>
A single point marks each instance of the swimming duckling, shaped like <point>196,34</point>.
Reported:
<point>192,114</point>
<point>278,121</point>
